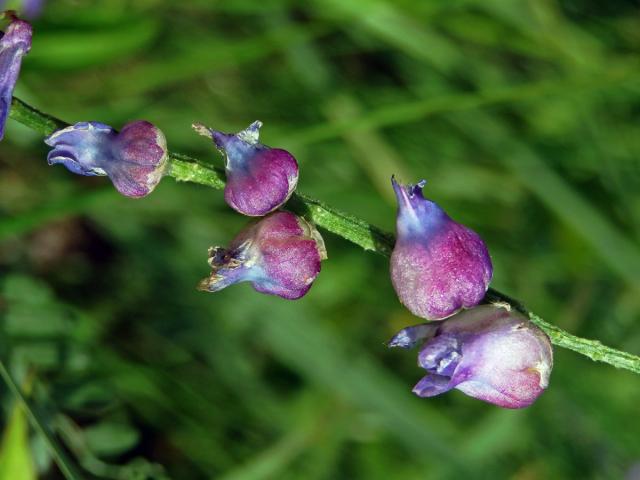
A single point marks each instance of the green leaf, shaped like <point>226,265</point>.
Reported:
<point>111,438</point>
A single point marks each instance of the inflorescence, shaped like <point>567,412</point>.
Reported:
<point>439,268</point>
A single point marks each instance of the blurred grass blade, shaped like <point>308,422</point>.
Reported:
<point>396,28</point>
<point>305,345</point>
<point>622,255</point>
<point>377,157</point>
<point>612,245</point>
<point>77,49</point>
<point>73,204</point>
<point>204,56</point>
<point>418,109</point>
<point>274,460</point>
<point>62,460</point>
<point>15,454</point>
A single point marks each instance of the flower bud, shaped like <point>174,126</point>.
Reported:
<point>15,43</point>
<point>488,352</point>
<point>438,266</point>
<point>279,255</point>
<point>134,159</point>
<point>259,179</point>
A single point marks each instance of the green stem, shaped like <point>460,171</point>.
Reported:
<point>188,169</point>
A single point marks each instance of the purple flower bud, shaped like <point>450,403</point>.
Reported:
<point>134,159</point>
<point>438,266</point>
<point>259,179</point>
<point>488,352</point>
<point>279,255</point>
<point>15,43</point>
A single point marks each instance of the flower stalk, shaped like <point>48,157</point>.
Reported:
<point>184,168</point>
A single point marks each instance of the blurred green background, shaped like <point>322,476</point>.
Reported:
<point>522,115</point>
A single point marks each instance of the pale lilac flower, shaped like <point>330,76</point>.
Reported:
<point>488,352</point>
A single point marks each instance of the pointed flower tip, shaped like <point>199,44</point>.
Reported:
<point>406,192</point>
<point>400,191</point>
<point>135,159</point>
<point>210,284</point>
<point>203,285</point>
<point>251,134</point>
<point>398,341</point>
<point>278,255</point>
<point>396,185</point>
<point>417,389</point>
<point>418,187</point>
<point>220,139</point>
<point>227,267</point>
<point>409,337</point>
<point>201,129</point>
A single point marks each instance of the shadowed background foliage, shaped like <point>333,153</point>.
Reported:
<point>523,117</point>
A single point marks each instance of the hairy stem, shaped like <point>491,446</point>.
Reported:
<point>371,238</point>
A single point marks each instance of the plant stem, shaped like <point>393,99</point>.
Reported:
<point>368,237</point>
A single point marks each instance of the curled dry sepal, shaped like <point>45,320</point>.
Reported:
<point>280,255</point>
<point>438,266</point>
<point>259,179</point>
<point>488,352</point>
<point>134,159</point>
<point>15,43</point>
